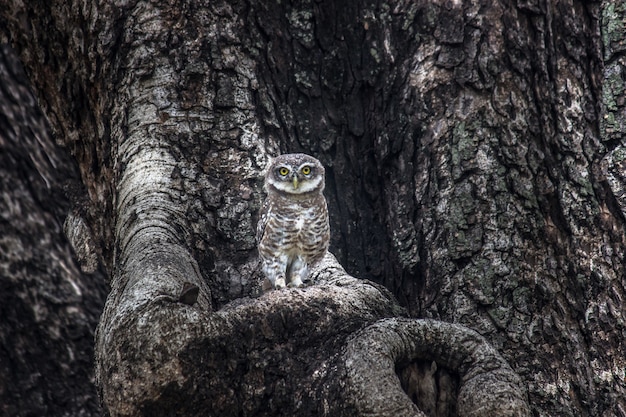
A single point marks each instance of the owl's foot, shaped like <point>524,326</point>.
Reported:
<point>296,281</point>
<point>297,271</point>
<point>280,283</point>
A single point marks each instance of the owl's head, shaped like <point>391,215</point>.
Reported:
<point>295,173</point>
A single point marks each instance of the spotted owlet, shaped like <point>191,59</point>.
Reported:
<point>293,232</point>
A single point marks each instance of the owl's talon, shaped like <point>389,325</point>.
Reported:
<point>295,282</point>
<point>280,283</point>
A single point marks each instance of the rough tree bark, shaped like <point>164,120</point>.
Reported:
<point>473,153</point>
<point>49,308</point>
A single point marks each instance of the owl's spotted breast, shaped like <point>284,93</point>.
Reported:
<point>297,229</point>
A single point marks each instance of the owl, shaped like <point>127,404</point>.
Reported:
<point>293,232</point>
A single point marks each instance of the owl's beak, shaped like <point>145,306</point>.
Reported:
<point>295,183</point>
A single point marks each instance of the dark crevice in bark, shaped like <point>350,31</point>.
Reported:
<point>431,387</point>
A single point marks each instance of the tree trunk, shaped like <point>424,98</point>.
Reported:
<point>473,153</point>
<point>48,307</point>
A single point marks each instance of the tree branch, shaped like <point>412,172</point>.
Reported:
<point>147,351</point>
<point>290,352</point>
<point>489,387</point>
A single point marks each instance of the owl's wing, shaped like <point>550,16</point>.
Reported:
<point>264,215</point>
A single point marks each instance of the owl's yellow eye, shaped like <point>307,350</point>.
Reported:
<point>306,170</point>
<point>283,171</point>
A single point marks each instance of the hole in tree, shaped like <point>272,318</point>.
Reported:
<point>433,388</point>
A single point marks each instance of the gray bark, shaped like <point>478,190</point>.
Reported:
<point>473,154</point>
